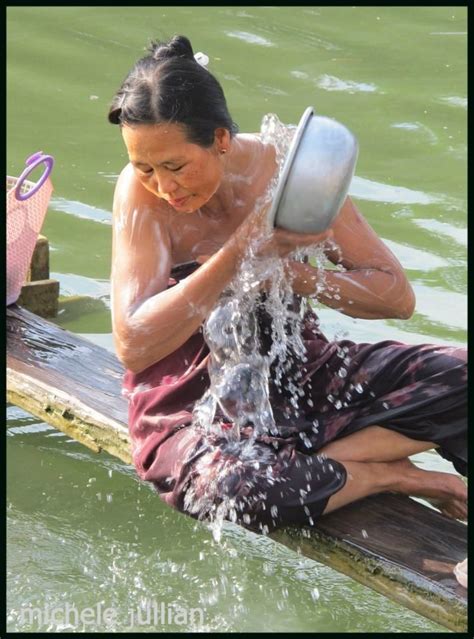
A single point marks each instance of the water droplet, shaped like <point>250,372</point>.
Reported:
<point>315,594</point>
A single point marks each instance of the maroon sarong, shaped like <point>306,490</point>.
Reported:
<point>419,391</point>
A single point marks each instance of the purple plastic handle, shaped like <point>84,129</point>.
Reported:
<point>31,163</point>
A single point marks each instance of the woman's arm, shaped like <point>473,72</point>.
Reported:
<point>374,286</point>
<point>149,320</point>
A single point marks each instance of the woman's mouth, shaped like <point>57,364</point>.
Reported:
<point>179,202</point>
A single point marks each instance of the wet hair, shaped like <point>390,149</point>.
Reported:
<point>169,85</point>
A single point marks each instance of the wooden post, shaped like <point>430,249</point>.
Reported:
<point>39,267</point>
<point>40,294</point>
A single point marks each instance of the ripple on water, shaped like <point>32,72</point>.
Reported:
<point>73,284</point>
<point>417,126</point>
<point>271,90</point>
<point>333,83</point>
<point>439,228</point>
<point>81,210</point>
<point>300,75</point>
<point>441,306</point>
<point>366,189</point>
<point>250,38</point>
<point>416,259</point>
<point>455,101</point>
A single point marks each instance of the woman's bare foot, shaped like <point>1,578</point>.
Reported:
<point>445,491</point>
<point>460,572</point>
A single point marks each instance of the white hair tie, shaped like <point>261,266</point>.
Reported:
<point>202,59</point>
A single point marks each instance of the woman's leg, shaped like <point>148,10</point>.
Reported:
<point>418,391</point>
<point>374,444</point>
<point>375,459</point>
<point>446,491</point>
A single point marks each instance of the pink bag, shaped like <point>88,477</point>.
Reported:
<point>27,203</point>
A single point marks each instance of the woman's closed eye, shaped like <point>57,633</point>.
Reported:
<point>149,171</point>
<point>145,170</point>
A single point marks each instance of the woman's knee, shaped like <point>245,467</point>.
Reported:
<point>447,361</point>
<point>290,488</point>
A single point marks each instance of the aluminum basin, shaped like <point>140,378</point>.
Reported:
<point>316,175</point>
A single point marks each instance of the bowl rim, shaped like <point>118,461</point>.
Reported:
<point>305,118</point>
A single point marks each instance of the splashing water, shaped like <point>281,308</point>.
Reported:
<point>238,395</point>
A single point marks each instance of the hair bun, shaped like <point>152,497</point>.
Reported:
<point>178,47</point>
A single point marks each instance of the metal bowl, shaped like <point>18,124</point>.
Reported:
<point>316,175</point>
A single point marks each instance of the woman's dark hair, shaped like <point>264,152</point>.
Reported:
<point>168,85</point>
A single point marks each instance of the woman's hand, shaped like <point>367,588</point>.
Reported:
<point>286,242</point>
<point>256,232</point>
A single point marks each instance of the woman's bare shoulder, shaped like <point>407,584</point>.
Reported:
<point>258,157</point>
<point>130,195</point>
<point>141,247</point>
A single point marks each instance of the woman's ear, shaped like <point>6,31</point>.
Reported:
<point>222,140</point>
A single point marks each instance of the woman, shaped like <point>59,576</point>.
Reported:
<point>185,210</point>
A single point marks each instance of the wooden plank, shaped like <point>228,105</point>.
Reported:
<point>390,543</point>
<point>396,546</point>
<point>67,381</point>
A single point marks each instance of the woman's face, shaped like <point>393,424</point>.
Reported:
<point>184,174</point>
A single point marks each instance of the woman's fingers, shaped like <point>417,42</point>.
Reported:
<point>200,259</point>
<point>291,241</point>
<point>277,240</point>
<point>304,238</point>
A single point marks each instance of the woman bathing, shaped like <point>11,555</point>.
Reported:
<point>185,210</point>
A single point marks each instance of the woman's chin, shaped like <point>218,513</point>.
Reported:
<point>191,204</point>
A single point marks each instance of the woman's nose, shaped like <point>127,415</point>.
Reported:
<point>165,184</point>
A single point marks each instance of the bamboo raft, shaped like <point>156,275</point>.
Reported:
<point>390,543</point>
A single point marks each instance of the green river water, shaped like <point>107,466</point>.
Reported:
<point>82,530</point>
